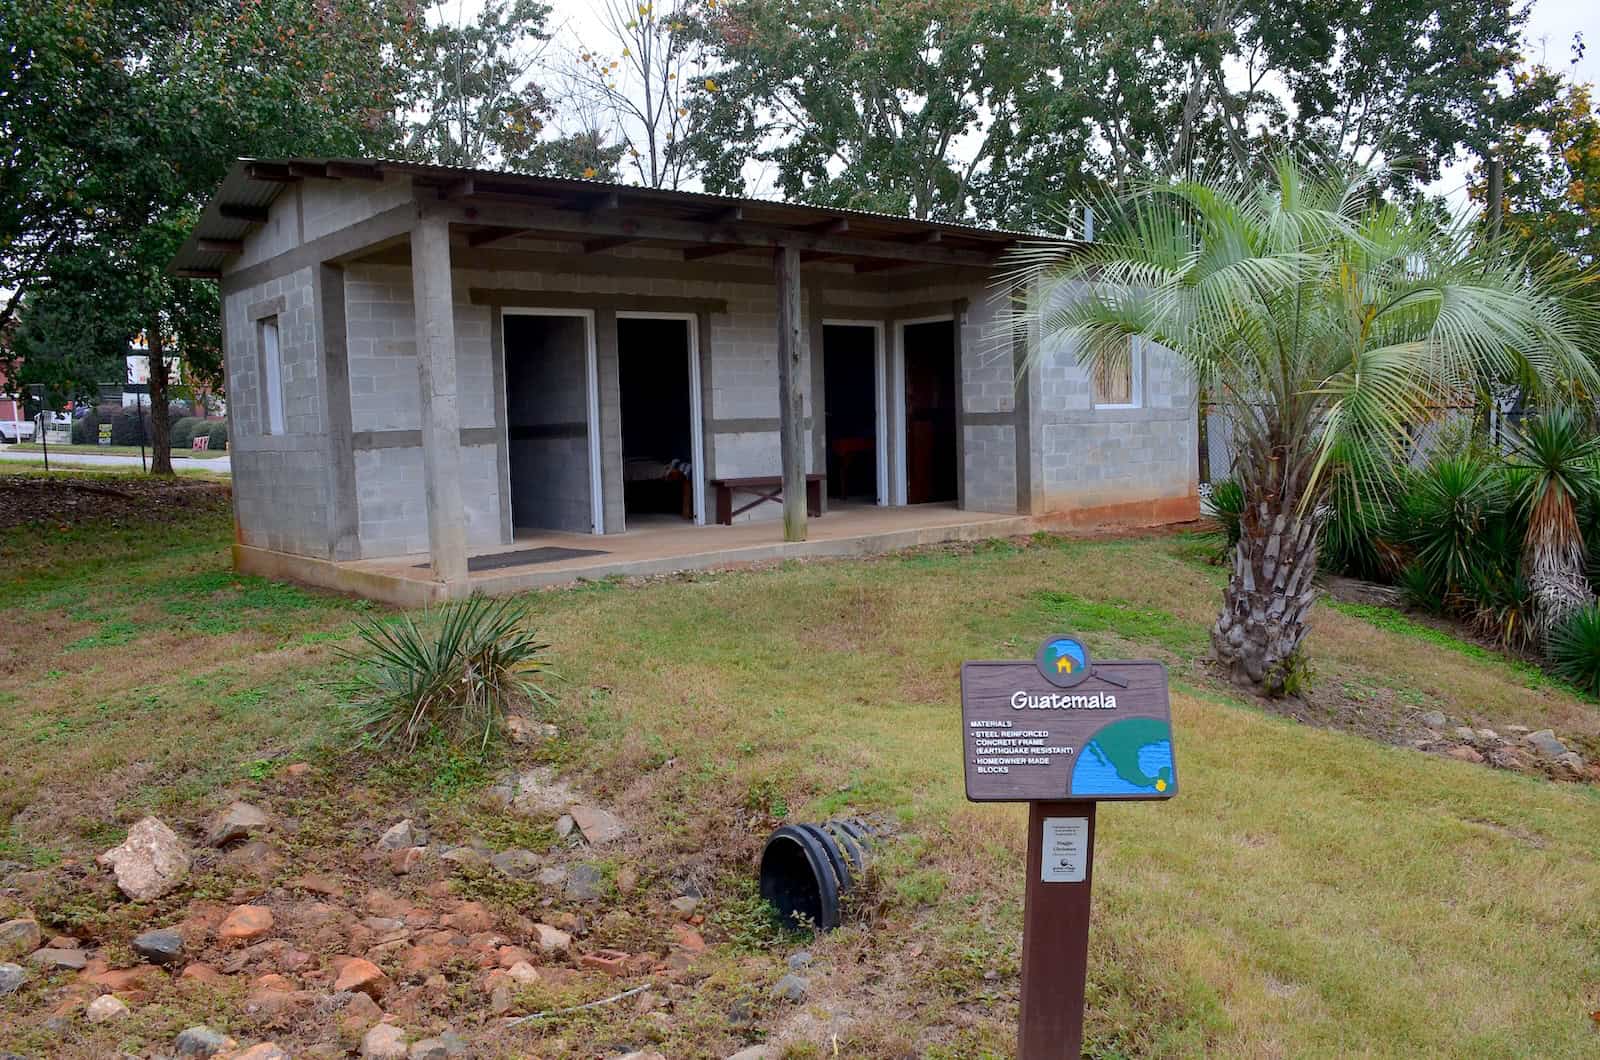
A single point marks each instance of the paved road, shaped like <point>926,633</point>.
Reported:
<point>217,464</point>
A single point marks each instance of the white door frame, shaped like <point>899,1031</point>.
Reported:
<point>597,507</point>
<point>880,398</point>
<point>697,455</point>
<point>900,397</point>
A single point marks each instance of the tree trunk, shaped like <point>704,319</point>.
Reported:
<point>1263,621</point>
<point>160,426</point>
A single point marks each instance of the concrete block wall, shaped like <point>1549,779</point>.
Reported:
<point>309,209</point>
<point>280,480</point>
<point>386,409</point>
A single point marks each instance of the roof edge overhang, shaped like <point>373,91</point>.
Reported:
<point>502,204</point>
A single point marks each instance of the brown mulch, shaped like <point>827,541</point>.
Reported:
<point>70,499</point>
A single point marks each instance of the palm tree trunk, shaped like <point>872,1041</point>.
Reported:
<point>1263,621</point>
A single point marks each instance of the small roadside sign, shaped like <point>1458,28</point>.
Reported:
<point>105,434</point>
<point>1063,732</point>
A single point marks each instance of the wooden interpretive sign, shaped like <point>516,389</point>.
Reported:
<point>1062,732</point>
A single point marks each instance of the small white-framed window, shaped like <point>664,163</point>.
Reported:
<point>271,376</point>
<point>1117,379</point>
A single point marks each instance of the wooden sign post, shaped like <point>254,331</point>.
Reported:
<point>1063,733</point>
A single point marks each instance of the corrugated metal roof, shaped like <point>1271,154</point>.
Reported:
<point>240,189</point>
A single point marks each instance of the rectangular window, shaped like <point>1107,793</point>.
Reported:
<point>1117,376</point>
<point>271,377</point>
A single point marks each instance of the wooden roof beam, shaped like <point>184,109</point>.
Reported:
<point>595,246</point>
<point>274,172</point>
<point>353,171</point>
<point>714,250</point>
<point>219,246</point>
<point>256,215</point>
<point>308,170</point>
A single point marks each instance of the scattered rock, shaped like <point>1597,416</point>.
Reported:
<point>19,936</point>
<point>526,730</point>
<point>523,973</point>
<point>201,1041</point>
<point>611,962</point>
<point>1544,741</point>
<point>59,960</point>
<point>554,877</point>
<point>150,862</point>
<point>1486,735</point>
<point>359,1013</point>
<point>586,883</point>
<point>598,826</point>
<point>551,940</point>
<point>1464,732</point>
<point>466,857</point>
<point>406,860</point>
<point>469,918</point>
<point>384,1042</point>
<point>516,863</point>
<point>627,880</point>
<point>326,886</point>
<point>399,836</point>
<point>642,1054</point>
<point>202,973</point>
<point>297,769</point>
<point>1434,719</point>
<point>791,988</point>
<point>757,1052</point>
<point>257,859</point>
<point>245,923</point>
<point>12,977</point>
<point>564,825</point>
<point>264,1051</point>
<point>1572,761</point>
<point>162,946</point>
<point>684,905</point>
<point>104,1009</point>
<point>362,976</point>
<point>688,938</point>
<point>1518,730</point>
<point>799,961</point>
<point>535,793</point>
<point>1465,754</point>
<point>239,821</point>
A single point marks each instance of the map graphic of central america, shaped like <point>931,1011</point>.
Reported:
<point>1128,757</point>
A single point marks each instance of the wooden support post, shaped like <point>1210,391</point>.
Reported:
<point>1055,941</point>
<point>791,401</point>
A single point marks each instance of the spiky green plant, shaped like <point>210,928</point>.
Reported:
<point>456,672</point>
<point>1312,310</point>
<point>1553,474</point>
<point>1573,648</point>
<point>1446,512</point>
<point>1224,506</point>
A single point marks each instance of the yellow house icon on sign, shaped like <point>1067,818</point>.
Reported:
<point>1064,664</point>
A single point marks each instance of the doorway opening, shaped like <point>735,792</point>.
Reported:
<point>660,415</point>
<point>850,403</point>
<point>932,450</point>
<point>549,398</point>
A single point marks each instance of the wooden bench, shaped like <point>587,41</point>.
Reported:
<point>766,488</point>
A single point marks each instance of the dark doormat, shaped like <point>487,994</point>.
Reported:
<point>526,557</point>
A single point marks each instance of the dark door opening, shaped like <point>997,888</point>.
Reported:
<point>547,422</point>
<point>850,396</point>
<point>931,421</point>
<point>657,419</point>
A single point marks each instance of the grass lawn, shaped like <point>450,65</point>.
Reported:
<point>1310,893</point>
<point>111,450</point>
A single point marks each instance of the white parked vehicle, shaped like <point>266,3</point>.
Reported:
<point>13,431</point>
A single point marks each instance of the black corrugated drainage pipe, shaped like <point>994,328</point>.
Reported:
<point>806,869</point>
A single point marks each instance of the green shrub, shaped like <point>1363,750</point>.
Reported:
<point>183,431</point>
<point>1225,507</point>
<point>1447,513</point>
<point>219,435</point>
<point>1358,534</point>
<point>86,429</point>
<point>1574,649</point>
<point>455,674</point>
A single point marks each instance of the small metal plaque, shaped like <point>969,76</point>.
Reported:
<point>1066,848</point>
<point>1061,727</point>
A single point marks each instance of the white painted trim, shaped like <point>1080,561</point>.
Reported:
<point>1136,384</point>
<point>697,438</point>
<point>880,399</point>
<point>597,507</point>
<point>900,397</point>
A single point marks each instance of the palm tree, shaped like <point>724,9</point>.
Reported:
<point>1323,320</point>
<point>1554,475</point>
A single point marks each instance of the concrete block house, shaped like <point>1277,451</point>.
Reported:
<point>446,380</point>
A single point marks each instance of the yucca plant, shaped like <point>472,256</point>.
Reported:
<point>1447,511</point>
<point>1573,648</point>
<point>1313,310</point>
<point>455,672</point>
<point>1553,474</point>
